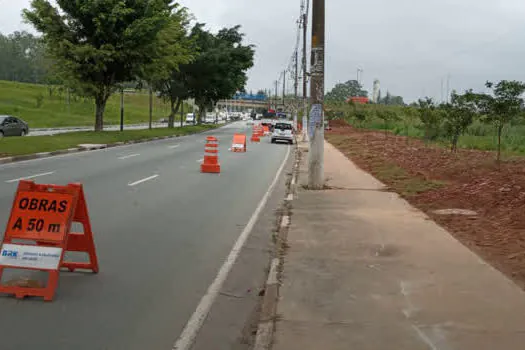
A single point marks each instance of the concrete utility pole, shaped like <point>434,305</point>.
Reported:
<point>284,85</point>
<point>359,70</point>
<point>296,77</point>
<point>296,86</point>
<point>316,153</point>
<point>305,74</point>
<point>276,93</point>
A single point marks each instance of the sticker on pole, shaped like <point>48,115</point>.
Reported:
<point>21,255</point>
<point>42,216</point>
<point>315,120</point>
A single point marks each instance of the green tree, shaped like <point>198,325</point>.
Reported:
<point>175,49</point>
<point>458,116</point>
<point>22,58</point>
<point>430,117</point>
<point>220,68</point>
<point>501,107</point>
<point>388,116</point>
<point>391,100</point>
<point>409,114</point>
<point>100,44</point>
<point>342,91</point>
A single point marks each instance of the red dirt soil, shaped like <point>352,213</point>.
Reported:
<point>472,180</point>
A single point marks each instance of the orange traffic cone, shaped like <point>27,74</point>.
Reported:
<point>256,134</point>
<point>211,156</point>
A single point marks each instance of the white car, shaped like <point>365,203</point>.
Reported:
<point>283,131</point>
<point>190,118</point>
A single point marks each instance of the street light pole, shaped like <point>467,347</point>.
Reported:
<point>316,153</point>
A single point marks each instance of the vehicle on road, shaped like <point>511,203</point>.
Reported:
<point>12,126</point>
<point>283,131</point>
<point>190,118</point>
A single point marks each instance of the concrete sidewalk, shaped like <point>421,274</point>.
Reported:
<point>366,271</point>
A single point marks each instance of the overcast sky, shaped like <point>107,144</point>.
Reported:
<point>409,45</point>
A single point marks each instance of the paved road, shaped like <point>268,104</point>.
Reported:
<point>160,243</point>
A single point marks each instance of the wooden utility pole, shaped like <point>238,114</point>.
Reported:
<point>317,67</point>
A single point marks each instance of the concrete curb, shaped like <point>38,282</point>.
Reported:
<point>268,315</point>
<point>20,158</point>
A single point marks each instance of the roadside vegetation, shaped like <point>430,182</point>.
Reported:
<point>155,46</point>
<point>15,146</point>
<point>489,122</point>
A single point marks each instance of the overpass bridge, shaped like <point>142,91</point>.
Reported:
<point>242,105</point>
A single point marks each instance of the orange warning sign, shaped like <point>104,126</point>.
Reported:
<point>40,216</point>
<point>239,143</point>
<point>39,233</point>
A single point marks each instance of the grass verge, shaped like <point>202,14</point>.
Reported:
<point>14,146</point>
<point>44,106</point>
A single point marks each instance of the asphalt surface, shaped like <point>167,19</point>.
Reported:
<point>160,243</point>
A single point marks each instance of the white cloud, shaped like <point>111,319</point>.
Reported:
<point>410,45</point>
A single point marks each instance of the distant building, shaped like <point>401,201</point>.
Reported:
<point>375,94</point>
<point>358,100</point>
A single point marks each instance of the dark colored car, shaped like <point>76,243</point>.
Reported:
<point>12,126</point>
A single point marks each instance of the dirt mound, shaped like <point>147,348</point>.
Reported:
<point>467,180</point>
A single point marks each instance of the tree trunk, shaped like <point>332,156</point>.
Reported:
<point>150,108</point>
<point>202,113</point>
<point>454,146</point>
<point>500,129</point>
<point>182,114</point>
<point>173,110</point>
<point>100,106</point>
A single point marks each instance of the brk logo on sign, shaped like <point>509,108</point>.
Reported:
<point>10,253</point>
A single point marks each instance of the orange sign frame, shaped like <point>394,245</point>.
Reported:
<point>42,216</point>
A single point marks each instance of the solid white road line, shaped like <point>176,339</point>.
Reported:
<point>30,177</point>
<point>200,160</point>
<point>143,180</point>
<point>173,146</point>
<point>196,320</point>
<point>129,156</point>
